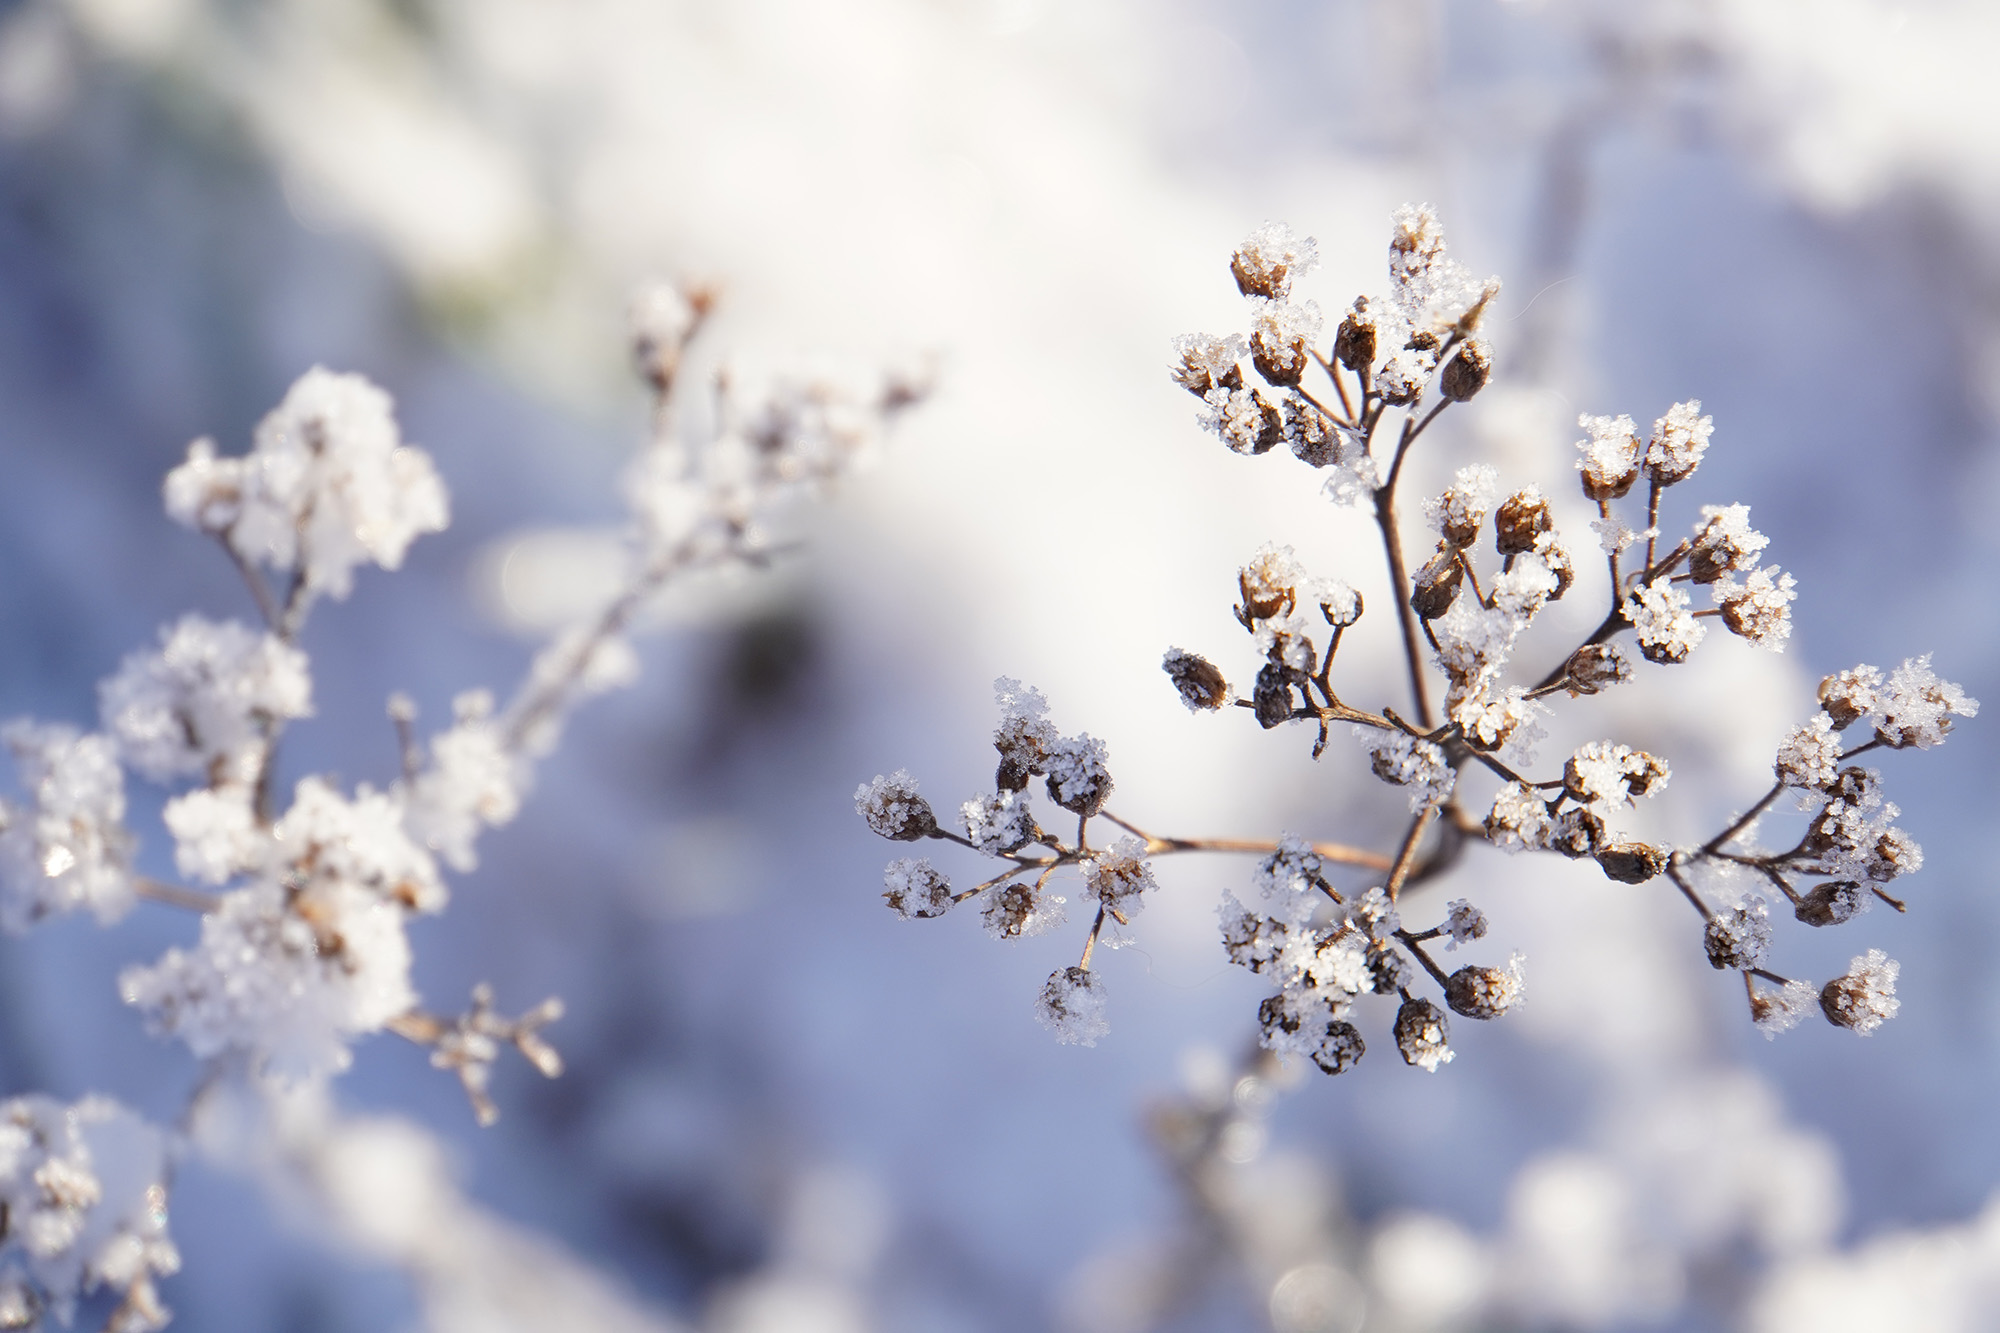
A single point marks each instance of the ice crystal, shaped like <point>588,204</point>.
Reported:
<point>1667,629</point>
<point>64,847</point>
<point>1072,1005</point>
<point>1810,754</point>
<point>1916,706</point>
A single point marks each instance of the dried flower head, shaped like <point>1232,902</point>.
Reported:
<point>916,888</point>
<point>1199,680</point>
<point>893,808</point>
<point>1679,440</point>
<point>1485,992</point>
<point>1266,263</point>
<point>1865,998</point>
<point>1423,1035</point>
<point>1738,937</point>
<point>1610,462</point>
<point>1072,1005</point>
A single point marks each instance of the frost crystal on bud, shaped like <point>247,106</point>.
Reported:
<point>1423,1035</point>
<point>1458,513</point>
<point>1893,854</point>
<point>1468,372</point>
<point>1738,937</point>
<point>998,823</point>
<point>1244,419</point>
<point>1078,780</point>
<point>1375,915</point>
<point>1119,876</point>
<point>1522,518</point>
<point>1578,832</point>
<point>1199,680</point>
<point>327,486</point>
<point>1485,992</point>
<point>1072,1006</point>
<point>1403,376</point>
<point>1339,603</point>
<point>1609,774</point>
<point>1016,911</point>
<point>1411,761</point>
<point>1280,335</point>
<point>1783,1009</point>
<point>1865,998</point>
<point>1203,363</point>
<point>1810,755</point>
<point>1759,608</point>
<point>1849,696</point>
<point>1358,336</point>
<point>202,697</point>
<point>82,1189</point>
<point>1024,735</point>
<point>1266,263</point>
<point>1916,707</point>
<point>1463,922</point>
<point>65,847</point>
<point>1667,629</point>
<point>1250,939</point>
<point>1595,665</point>
<point>915,888</point>
<point>1679,440</point>
<point>1610,462</point>
<point>1834,903</point>
<point>1725,542</point>
<point>1288,879</point>
<point>1270,582</point>
<point>1519,820</point>
<point>893,809</point>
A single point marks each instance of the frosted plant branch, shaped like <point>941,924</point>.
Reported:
<point>1405,358</point>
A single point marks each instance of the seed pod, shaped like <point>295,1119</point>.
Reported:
<point>1482,992</point>
<point>1466,374</point>
<point>1849,696</point>
<point>1272,699</point>
<point>1595,665</point>
<point>1737,937</point>
<point>1199,680</point>
<point>1423,340</point>
<point>1437,584</point>
<point>1354,342</point>
<point>1423,1035</point>
<point>1340,1049</point>
<point>1832,904</point>
<point>1521,518</point>
<point>1632,862</point>
<point>1578,833</point>
<point>1388,971</point>
<point>1856,785</point>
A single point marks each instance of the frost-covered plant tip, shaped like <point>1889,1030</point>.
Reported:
<point>304,898</point>
<point>1354,410</point>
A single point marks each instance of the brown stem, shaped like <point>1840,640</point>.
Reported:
<point>1407,856</point>
<point>1716,843</point>
<point>1336,852</point>
<point>173,895</point>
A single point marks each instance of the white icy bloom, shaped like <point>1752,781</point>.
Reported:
<point>1457,513</point>
<point>1072,1006</point>
<point>1473,645</point>
<point>1666,626</point>
<point>1287,881</point>
<point>1410,761</point>
<point>1077,773</point>
<point>1281,334</point>
<point>64,846</point>
<point>1426,287</point>
<point>205,695</point>
<point>1522,592</point>
<point>998,823</point>
<point>1403,376</point>
<point>1519,820</point>
<point>913,887</point>
<point>82,1189</point>
<point>327,486</point>
<point>473,782</point>
<point>1463,923</point>
<point>1608,774</point>
<point>1016,911</point>
<point>674,512</point>
<point>1201,362</point>
<point>1251,939</point>
<point>1724,542</point>
<point>1273,583</point>
<point>1616,536</point>
<point>216,835</point>
<point>287,977</point>
<point>1119,876</point>
<point>1810,755</point>
<point>1375,915</point>
<point>326,838</point>
<point>1355,475</point>
<point>1504,721</point>
<point>1329,960</point>
<point>1244,419</point>
<point>1781,1010</point>
<point>1680,438</point>
<point>1916,707</point>
<point>893,807</point>
<point>1270,258</point>
<point>1025,734</point>
<point>1339,603</point>
<point>1610,459</point>
<point>1759,607</point>
<point>1738,937</point>
<point>1865,998</point>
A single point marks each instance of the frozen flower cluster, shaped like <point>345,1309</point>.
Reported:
<point>1328,947</point>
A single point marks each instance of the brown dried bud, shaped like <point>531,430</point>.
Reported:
<point>1437,583</point>
<point>1198,679</point>
<point>1894,853</point>
<point>1424,340</point>
<point>1354,342</point>
<point>1521,518</point>
<point>1483,992</point>
<point>1078,780</point>
<point>1832,904</point>
<point>1632,862</point>
<point>1595,665</point>
<point>1272,698</point>
<point>1737,937</point>
<point>1012,774</point>
<point>1578,833</point>
<point>1849,696</point>
<point>1466,374</point>
<point>1281,361</point>
<point>1340,1049</point>
<point>1856,785</point>
<point>1423,1035</point>
<point>1388,971</point>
